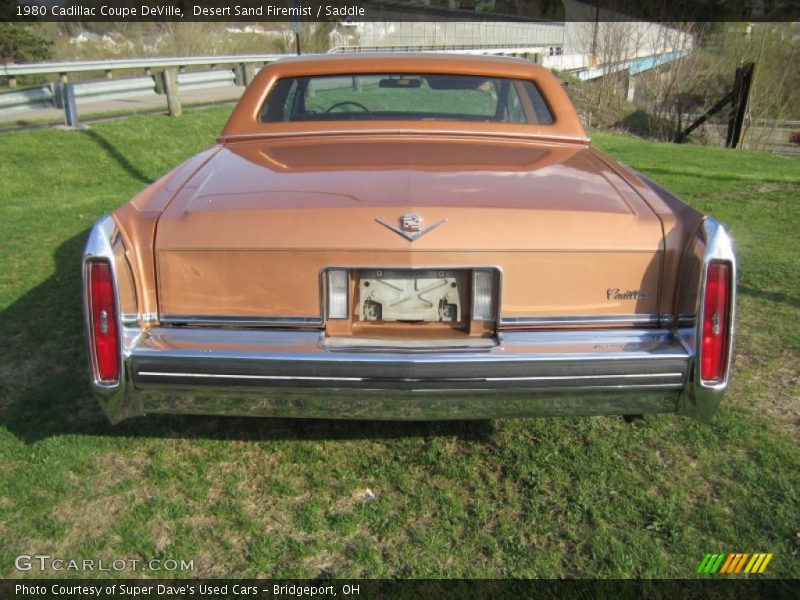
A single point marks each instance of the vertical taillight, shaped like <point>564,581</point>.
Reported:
<point>715,326</point>
<point>103,316</point>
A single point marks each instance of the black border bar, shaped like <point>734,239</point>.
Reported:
<point>397,10</point>
<point>368,589</point>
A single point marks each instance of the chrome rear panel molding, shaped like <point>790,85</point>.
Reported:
<point>580,320</point>
<point>236,321</point>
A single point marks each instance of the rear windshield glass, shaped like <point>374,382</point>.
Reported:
<point>406,97</point>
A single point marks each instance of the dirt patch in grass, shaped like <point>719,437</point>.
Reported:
<point>349,503</point>
<point>765,188</point>
<point>323,564</point>
<point>96,507</point>
<point>207,562</point>
<point>89,520</point>
<point>114,467</point>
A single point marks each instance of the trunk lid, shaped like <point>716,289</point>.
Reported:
<point>252,230</point>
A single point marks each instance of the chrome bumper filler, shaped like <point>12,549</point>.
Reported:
<point>300,374</point>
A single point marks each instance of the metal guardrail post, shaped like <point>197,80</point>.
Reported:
<point>70,107</point>
<point>158,78</point>
<point>170,76</point>
<point>244,73</point>
<point>249,73</point>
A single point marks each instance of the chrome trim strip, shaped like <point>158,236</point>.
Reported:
<point>129,318</point>
<point>465,344</point>
<point>627,388</point>
<point>318,321</point>
<point>266,377</point>
<point>570,377</point>
<point>581,320</point>
<point>242,321</point>
<point>412,379</point>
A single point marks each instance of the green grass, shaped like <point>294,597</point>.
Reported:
<point>588,497</point>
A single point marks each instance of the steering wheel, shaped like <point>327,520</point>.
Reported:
<point>350,103</point>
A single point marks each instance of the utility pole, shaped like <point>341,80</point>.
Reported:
<point>593,51</point>
<point>296,25</point>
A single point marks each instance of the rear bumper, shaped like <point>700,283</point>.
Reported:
<point>301,374</point>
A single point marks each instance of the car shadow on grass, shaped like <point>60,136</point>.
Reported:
<point>777,297</point>
<point>118,157</point>
<point>45,392</point>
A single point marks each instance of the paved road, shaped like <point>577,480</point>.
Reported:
<point>143,103</point>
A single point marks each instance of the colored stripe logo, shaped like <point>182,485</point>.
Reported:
<point>733,564</point>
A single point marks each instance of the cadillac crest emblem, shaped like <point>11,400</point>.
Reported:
<point>411,226</point>
<point>411,222</point>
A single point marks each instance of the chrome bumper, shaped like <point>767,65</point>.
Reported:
<point>301,374</point>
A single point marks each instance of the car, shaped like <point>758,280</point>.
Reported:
<point>407,237</point>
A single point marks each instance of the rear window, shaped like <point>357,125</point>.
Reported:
<point>364,97</point>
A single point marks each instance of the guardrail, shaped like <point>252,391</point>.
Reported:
<point>40,96</point>
<point>12,70</point>
<point>103,89</point>
<point>505,49</point>
<point>207,79</point>
<point>161,76</point>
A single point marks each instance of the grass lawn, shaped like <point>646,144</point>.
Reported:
<point>589,497</point>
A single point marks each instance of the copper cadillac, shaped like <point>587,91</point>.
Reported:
<point>407,237</point>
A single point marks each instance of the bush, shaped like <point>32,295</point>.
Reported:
<point>643,124</point>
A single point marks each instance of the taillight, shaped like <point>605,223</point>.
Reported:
<point>104,333</point>
<point>716,329</point>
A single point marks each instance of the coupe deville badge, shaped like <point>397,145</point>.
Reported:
<point>411,226</point>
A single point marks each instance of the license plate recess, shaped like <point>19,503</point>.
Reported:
<point>410,295</point>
